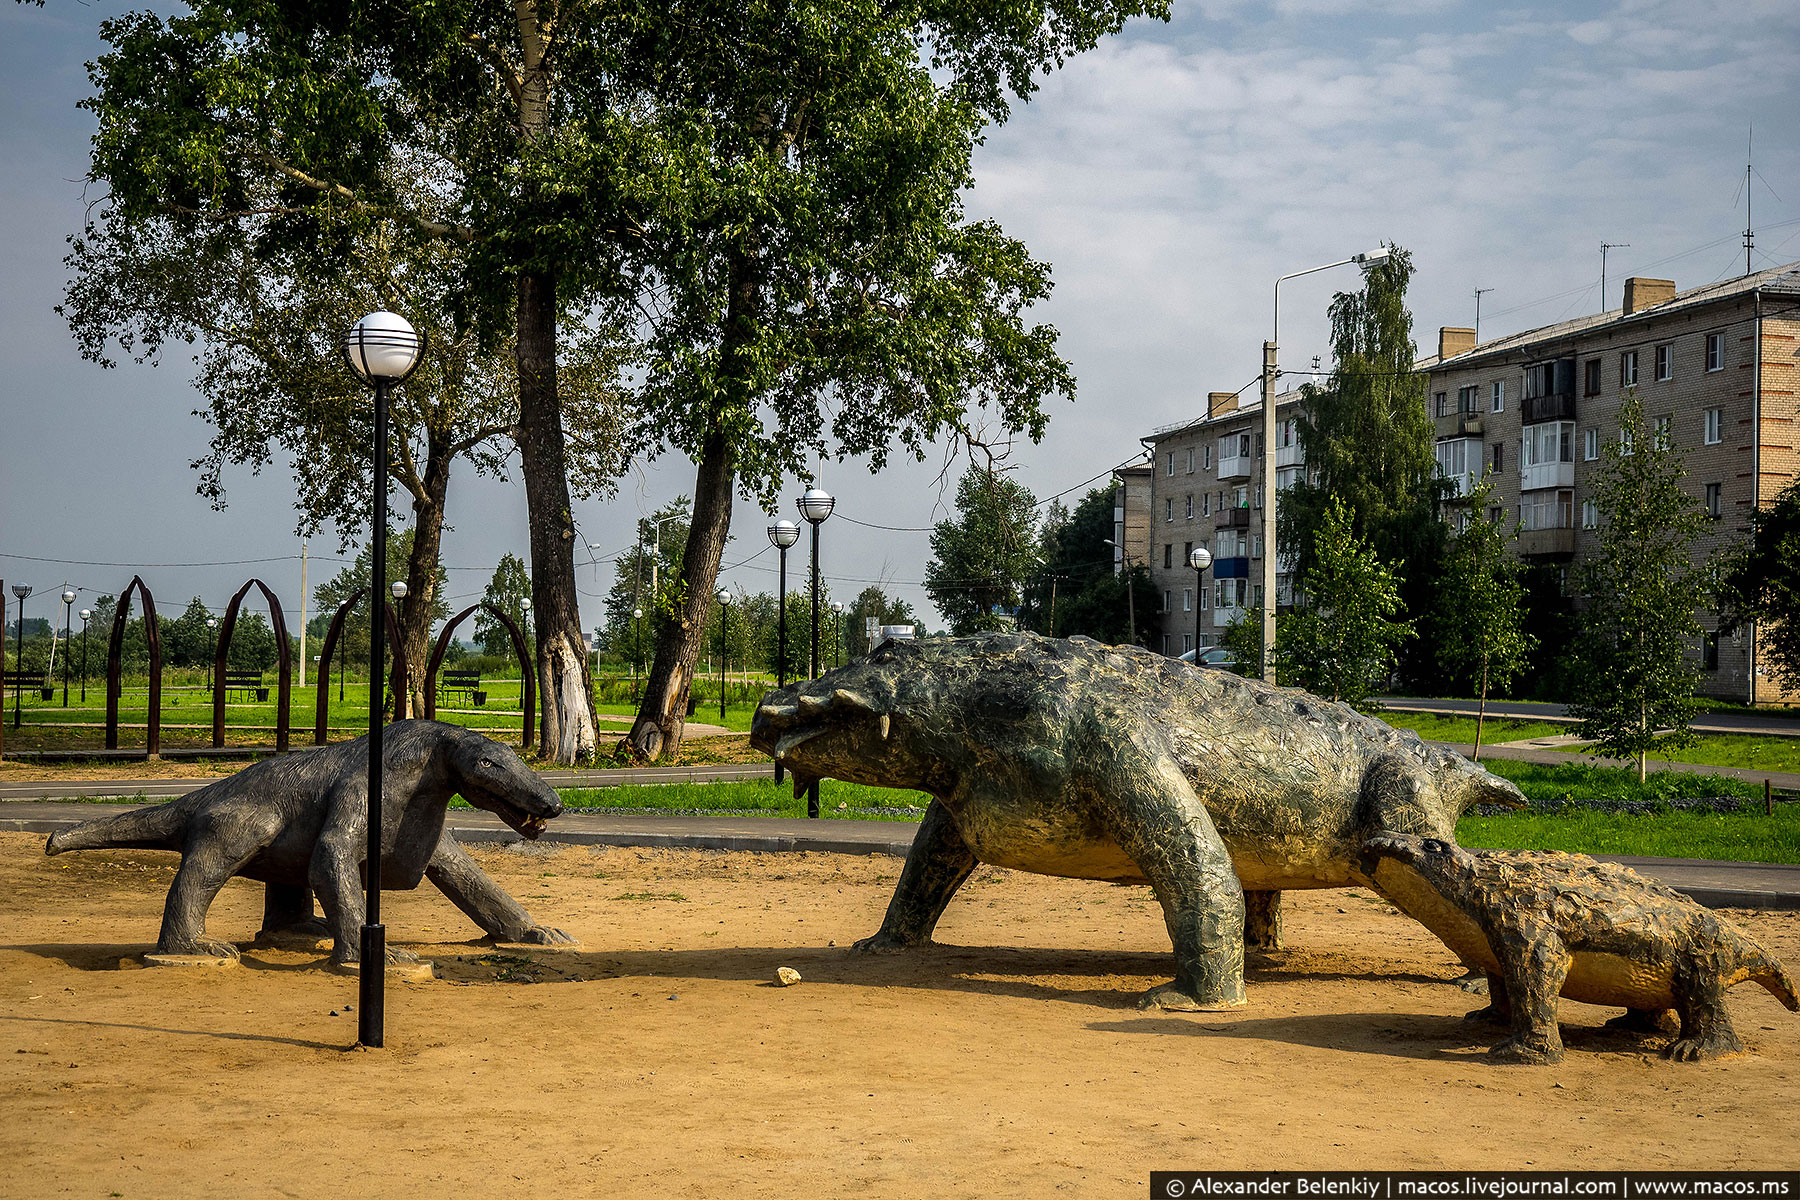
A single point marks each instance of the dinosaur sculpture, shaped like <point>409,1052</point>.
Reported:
<point>1543,924</point>
<point>298,823</point>
<point>1068,757</point>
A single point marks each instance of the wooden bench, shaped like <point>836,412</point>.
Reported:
<point>464,685</point>
<point>28,679</point>
<point>248,682</point>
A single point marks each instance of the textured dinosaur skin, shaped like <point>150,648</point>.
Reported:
<point>1543,924</point>
<point>299,824</point>
<point>1068,757</point>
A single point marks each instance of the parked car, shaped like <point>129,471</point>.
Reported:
<point>1212,656</point>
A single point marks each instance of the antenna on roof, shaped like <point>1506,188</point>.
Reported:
<point>1604,247</point>
<point>1749,230</point>
<point>1478,295</point>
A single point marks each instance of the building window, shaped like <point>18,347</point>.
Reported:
<point>1628,369</point>
<point>1205,599</point>
<point>1187,642</point>
<point>1499,395</point>
<point>1166,608</point>
<point>1171,467</point>
<point>1665,431</point>
<point>1499,456</point>
<point>1709,651</point>
<point>1624,440</point>
<point>1205,504</point>
<point>1168,557</point>
<point>1465,399</point>
<point>1590,444</point>
<point>1442,401</point>
<point>1590,514</point>
<point>1665,362</point>
<point>1187,603</point>
<point>1714,501</point>
<point>1165,638</point>
<point>1256,545</point>
<point>1206,456</point>
<point>1715,352</point>
<point>1713,421</point>
<point>1168,508</point>
<point>1590,384</point>
<point>1190,460</point>
<point>1190,506</point>
<point>1496,514</point>
<point>1547,509</point>
<point>1259,495</point>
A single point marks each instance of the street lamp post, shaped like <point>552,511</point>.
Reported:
<point>212,653</point>
<point>1130,591</point>
<point>724,629</point>
<point>1199,558</point>
<point>399,590</point>
<point>68,598</point>
<point>1269,372</point>
<point>382,349</point>
<point>815,505</point>
<point>837,633</point>
<point>86,615</point>
<point>637,647</point>
<point>782,534</point>
<point>21,590</point>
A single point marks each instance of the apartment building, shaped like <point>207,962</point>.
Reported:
<point>1716,368</point>
<point>1204,489</point>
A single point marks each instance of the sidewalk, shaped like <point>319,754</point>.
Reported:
<point>1715,884</point>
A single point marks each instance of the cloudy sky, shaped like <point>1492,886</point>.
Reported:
<point>1169,177</point>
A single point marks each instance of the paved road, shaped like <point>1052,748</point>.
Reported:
<point>1768,724</point>
<point>1717,884</point>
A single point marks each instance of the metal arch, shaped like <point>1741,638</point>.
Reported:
<point>321,710</point>
<point>284,686</point>
<point>115,668</point>
<point>527,686</point>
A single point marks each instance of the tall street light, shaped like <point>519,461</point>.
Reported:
<point>212,652</point>
<point>724,629</point>
<point>837,633</point>
<point>383,349</point>
<point>1199,558</point>
<point>1130,591</point>
<point>86,615</point>
<point>815,505</point>
<point>782,534</point>
<point>68,598</point>
<point>399,590</point>
<point>637,647</point>
<point>1270,370</point>
<point>22,590</point>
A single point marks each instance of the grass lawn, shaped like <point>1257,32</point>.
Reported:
<point>763,797</point>
<point>1746,836</point>
<point>1435,728</point>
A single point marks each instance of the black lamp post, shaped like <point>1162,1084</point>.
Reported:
<point>815,505</point>
<point>212,653</point>
<point>724,629</point>
<point>782,533</point>
<point>399,592</point>
<point>1199,558</point>
<point>21,590</point>
<point>383,349</point>
<point>837,633</point>
<point>86,615</point>
<point>637,647</point>
<point>68,635</point>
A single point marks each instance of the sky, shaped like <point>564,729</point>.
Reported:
<point>1169,177</point>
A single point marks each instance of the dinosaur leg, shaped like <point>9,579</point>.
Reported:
<point>1499,1009</point>
<point>1262,922</point>
<point>1706,1030</point>
<point>288,914</point>
<point>336,876</point>
<point>205,866</point>
<point>486,903</point>
<point>1534,980</point>
<point>939,862</point>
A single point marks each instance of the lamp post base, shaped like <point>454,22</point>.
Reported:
<point>371,1009</point>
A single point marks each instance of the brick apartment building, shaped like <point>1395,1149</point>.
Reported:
<point>1717,367</point>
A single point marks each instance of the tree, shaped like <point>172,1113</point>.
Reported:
<point>507,591</point>
<point>980,560</point>
<point>1368,441</point>
<point>1076,591</point>
<point>1341,643</point>
<point>872,603</point>
<point>1631,672</point>
<point>645,580</point>
<point>1480,613</point>
<point>354,637</point>
<point>1760,586</point>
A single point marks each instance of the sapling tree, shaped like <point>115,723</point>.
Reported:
<point>1342,642</point>
<point>1760,584</point>
<point>981,558</point>
<point>1479,619</point>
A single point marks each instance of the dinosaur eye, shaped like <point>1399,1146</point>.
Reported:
<point>488,763</point>
<point>1433,846</point>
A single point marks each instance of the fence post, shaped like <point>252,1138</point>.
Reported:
<point>1768,797</point>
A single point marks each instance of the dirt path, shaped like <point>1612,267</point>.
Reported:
<point>656,1059</point>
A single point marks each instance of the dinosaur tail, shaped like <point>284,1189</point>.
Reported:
<point>1766,971</point>
<point>158,827</point>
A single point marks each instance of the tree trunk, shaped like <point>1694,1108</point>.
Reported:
<point>565,687</point>
<point>422,565</point>
<point>1481,712</point>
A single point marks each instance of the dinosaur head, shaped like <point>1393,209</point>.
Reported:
<point>1439,864</point>
<point>1471,784</point>
<point>490,776</point>
<point>860,722</point>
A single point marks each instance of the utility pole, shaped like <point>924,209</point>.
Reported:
<point>1749,169</point>
<point>1604,247</point>
<point>1478,294</point>
<point>302,614</point>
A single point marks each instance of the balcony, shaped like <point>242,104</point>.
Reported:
<point>1232,518</point>
<point>1556,406</point>
<point>1547,475</point>
<point>1289,456</point>
<point>1236,466</point>
<point>1231,568</point>
<point>1547,542</point>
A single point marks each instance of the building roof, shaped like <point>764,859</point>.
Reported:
<point>1781,280</point>
<point>1230,414</point>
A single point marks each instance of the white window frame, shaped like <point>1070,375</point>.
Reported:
<point>1171,471</point>
<point>1628,369</point>
<point>1712,423</point>
<point>1665,431</point>
<point>1168,509</point>
<point>1187,602</point>
<point>1715,500</point>
<point>1206,457</point>
<point>1590,445</point>
<point>1715,352</point>
<point>1665,362</point>
<point>1590,514</point>
<point>1190,506</point>
<point>1499,396</point>
<point>1190,460</point>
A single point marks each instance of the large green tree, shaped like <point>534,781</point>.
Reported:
<point>425,609</point>
<point>1341,643</point>
<point>508,590</point>
<point>981,558</point>
<point>1760,584</point>
<point>873,603</point>
<point>1633,673</point>
<point>1479,619</point>
<point>1368,442</point>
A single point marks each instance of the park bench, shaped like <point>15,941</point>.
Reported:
<point>28,679</point>
<point>248,682</point>
<point>464,685</point>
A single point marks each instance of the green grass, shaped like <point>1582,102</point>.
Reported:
<point>1435,728</point>
<point>1575,784</point>
<point>1733,837</point>
<point>1742,750</point>
<point>762,797</point>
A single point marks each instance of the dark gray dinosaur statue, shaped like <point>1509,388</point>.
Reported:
<point>1068,757</point>
<point>299,824</point>
<point>1544,924</point>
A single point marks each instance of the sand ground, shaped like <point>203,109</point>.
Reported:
<point>657,1059</point>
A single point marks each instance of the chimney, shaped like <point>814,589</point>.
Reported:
<point>1220,402</point>
<point>1644,293</point>
<point>1453,341</point>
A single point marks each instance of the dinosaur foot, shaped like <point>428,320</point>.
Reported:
<point>194,954</point>
<point>1715,1044</point>
<point>536,936</point>
<point>401,964</point>
<point>1530,1051</point>
<point>1171,997</point>
<point>1639,1020</point>
<point>301,935</point>
<point>1489,1016</point>
<point>888,943</point>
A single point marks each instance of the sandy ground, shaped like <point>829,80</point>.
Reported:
<point>656,1059</point>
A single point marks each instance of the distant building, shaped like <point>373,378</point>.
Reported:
<point>1716,369</point>
<point>1131,516</point>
